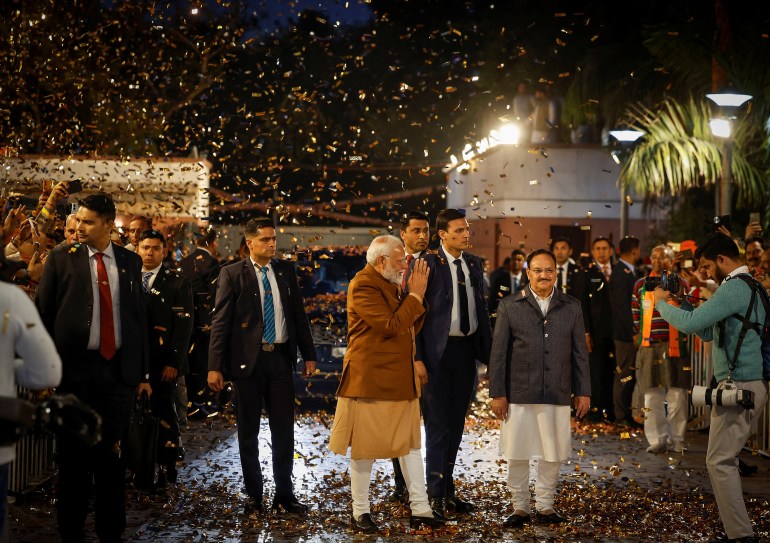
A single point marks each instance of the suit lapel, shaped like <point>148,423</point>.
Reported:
<point>446,275</point>
<point>252,287</point>
<point>83,268</point>
<point>125,280</point>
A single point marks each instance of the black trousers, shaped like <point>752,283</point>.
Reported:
<point>100,386</point>
<point>163,401</point>
<point>271,383</point>
<point>198,391</point>
<point>445,401</point>
<point>625,379</point>
<point>602,364</point>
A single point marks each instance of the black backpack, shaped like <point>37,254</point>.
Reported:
<point>762,329</point>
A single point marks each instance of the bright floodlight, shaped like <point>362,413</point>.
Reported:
<point>728,99</point>
<point>626,136</point>
<point>509,133</point>
<point>720,127</point>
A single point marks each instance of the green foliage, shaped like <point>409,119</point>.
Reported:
<point>678,152</point>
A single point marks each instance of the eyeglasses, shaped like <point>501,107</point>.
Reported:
<point>547,271</point>
<point>400,261</point>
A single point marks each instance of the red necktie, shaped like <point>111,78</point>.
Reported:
<point>606,270</point>
<point>106,324</point>
<point>409,259</point>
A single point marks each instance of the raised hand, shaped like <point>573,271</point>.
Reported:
<point>418,279</point>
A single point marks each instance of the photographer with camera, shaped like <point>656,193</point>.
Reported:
<point>22,334</point>
<point>742,393</point>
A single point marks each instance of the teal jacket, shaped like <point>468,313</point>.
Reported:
<point>731,298</point>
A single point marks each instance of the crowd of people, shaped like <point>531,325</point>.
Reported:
<point>561,337</point>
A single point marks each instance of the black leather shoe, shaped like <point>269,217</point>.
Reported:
<point>461,507</point>
<point>417,522</point>
<point>439,505</point>
<point>399,494</point>
<point>364,523</point>
<point>746,470</point>
<point>291,505</point>
<point>631,424</point>
<point>516,521</point>
<point>550,518</point>
<point>253,505</point>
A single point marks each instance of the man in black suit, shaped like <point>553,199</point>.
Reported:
<point>169,324</point>
<point>566,270</point>
<point>201,268</point>
<point>500,271</point>
<point>594,292</point>
<point>90,299</point>
<point>258,325</point>
<point>415,233</point>
<point>505,284</point>
<point>621,292</point>
<point>456,334</point>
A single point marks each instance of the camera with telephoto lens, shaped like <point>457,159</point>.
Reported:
<point>667,281</point>
<point>726,395</point>
<point>61,414</point>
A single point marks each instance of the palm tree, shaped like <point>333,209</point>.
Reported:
<point>679,152</point>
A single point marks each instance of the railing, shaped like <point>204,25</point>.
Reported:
<point>34,458</point>
<point>33,464</point>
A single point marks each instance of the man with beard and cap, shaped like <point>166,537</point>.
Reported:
<point>378,413</point>
<point>415,233</point>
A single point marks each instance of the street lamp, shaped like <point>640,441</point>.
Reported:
<point>728,104</point>
<point>626,139</point>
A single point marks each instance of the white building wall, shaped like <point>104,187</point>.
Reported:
<point>557,181</point>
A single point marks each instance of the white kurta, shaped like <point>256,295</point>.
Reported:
<point>536,431</point>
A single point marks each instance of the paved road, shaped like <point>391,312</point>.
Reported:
<point>611,488</point>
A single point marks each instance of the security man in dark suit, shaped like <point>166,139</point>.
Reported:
<point>505,284</point>
<point>201,268</point>
<point>170,325</point>
<point>91,301</point>
<point>594,292</point>
<point>621,292</point>
<point>258,325</point>
<point>455,335</point>
<point>566,270</point>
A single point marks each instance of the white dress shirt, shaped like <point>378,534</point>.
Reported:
<point>281,332</point>
<point>454,323</point>
<point>543,302</point>
<point>113,276</point>
<point>736,271</point>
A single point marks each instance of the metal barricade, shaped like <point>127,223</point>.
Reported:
<point>34,458</point>
<point>702,370</point>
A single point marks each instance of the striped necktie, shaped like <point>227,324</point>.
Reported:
<point>269,311</point>
<point>146,276</point>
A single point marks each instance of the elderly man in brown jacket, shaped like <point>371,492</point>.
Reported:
<point>378,412</point>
